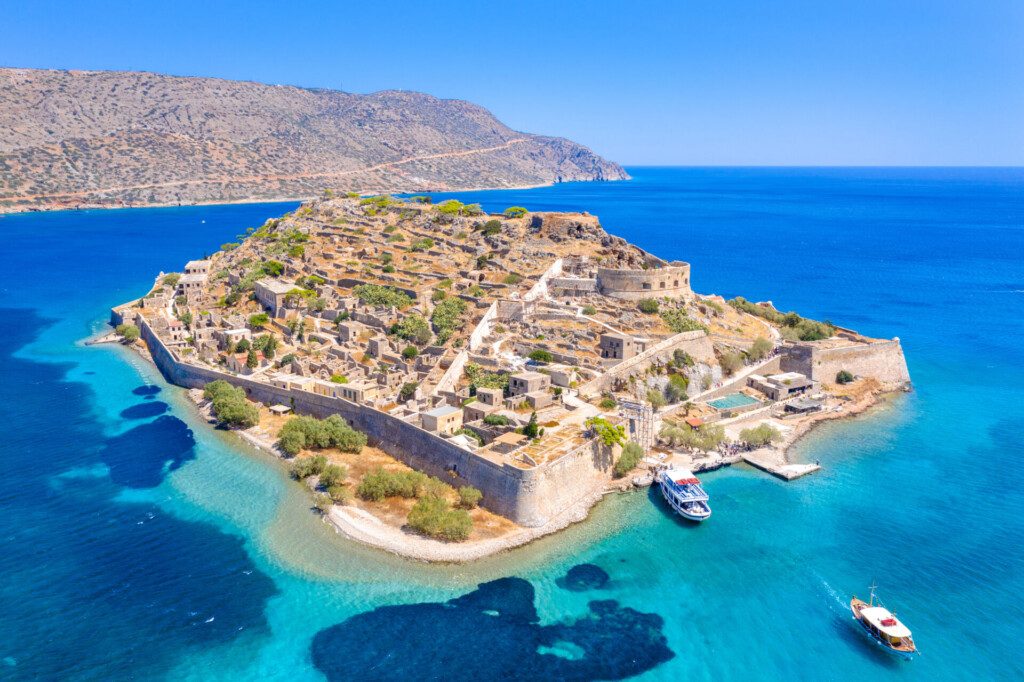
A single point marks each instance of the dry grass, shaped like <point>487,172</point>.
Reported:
<point>394,510</point>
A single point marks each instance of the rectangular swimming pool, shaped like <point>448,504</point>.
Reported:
<point>732,401</point>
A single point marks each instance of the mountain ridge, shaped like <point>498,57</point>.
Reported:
<point>116,138</point>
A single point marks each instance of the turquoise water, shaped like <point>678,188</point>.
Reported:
<point>138,543</point>
<point>731,401</point>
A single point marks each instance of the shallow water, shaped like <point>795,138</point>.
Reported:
<point>137,542</point>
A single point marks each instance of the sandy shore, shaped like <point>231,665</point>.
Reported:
<point>362,526</point>
<point>358,524</point>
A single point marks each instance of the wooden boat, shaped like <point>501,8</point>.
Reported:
<point>882,625</point>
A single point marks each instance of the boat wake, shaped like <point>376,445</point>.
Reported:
<point>839,601</point>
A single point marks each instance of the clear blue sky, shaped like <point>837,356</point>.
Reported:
<point>687,82</point>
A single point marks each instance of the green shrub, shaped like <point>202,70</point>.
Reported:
<point>648,306</point>
<point>259,320</point>
<point>609,434</point>
<point>843,377</point>
<point>607,403</point>
<point>311,433</point>
<point>532,428</point>
<point>410,352</point>
<point>332,475</point>
<point>491,227</point>
<point>469,497</point>
<point>541,355</point>
<point>434,517</point>
<point>760,435</point>
<point>656,398</point>
<point>512,279</point>
<point>273,268</point>
<point>631,455</point>
<point>408,390</point>
<point>678,321</point>
<point>515,212</point>
<point>230,405</point>
<point>447,316</point>
<point>424,244</point>
<point>382,296</point>
<point>589,310</point>
<point>730,362</point>
<point>706,437</point>
<point>496,420</point>
<point>414,328</point>
<point>450,207</point>
<point>339,494</point>
<point>129,332</point>
<point>481,378</point>
<point>380,484</point>
<point>760,348</point>
<point>308,466</point>
<point>676,389</point>
<point>339,379</point>
<point>171,280</point>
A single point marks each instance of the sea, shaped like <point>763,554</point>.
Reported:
<point>136,542</point>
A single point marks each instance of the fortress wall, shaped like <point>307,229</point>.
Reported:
<point>451,376</point>
<point>484,327</point>
<point>696,343</point>
<point>882,360</point>
<point>540,288</point>
<point>672,280</point>
<point>529,497</point>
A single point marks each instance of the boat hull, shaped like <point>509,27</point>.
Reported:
<point>692,511</point>
<point>906,648</point>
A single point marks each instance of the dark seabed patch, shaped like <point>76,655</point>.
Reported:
<point>93,587</point>
<point>141,456</point>
<point>148,389</point>
<point>583,577</point>
<point>145,410</point>
<point>491,633</point>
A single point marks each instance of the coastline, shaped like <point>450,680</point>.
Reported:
<point>361,526</point>
<point>55,207</point>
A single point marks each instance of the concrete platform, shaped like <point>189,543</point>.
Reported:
<point>765,461</point>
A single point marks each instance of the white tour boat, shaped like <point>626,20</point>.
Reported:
<point>882,625</point>
<point>683,492</point>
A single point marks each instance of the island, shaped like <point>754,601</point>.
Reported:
<point>450,383</point>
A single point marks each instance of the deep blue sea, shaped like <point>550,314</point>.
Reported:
<point>138,543</point>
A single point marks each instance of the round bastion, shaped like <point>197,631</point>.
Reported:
<point>671,280</point>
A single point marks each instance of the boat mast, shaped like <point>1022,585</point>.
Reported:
<point>871,599</point>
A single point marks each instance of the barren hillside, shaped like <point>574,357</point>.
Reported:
<point>74,138</point>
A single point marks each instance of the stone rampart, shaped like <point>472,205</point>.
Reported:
<point>671,280</point>
<point>529,497</point>
<point>881,360</point>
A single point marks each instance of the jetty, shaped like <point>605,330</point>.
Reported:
<point>768,460</point>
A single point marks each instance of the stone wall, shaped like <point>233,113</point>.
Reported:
<point>882,360</point>
<point>540,289</point>
<point>671,280</point>
<point>696,343</point>
<point>529,497</point>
